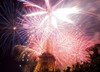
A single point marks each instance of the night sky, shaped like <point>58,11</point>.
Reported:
<point>9,37</point>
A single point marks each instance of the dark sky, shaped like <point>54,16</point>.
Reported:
<point>89,24</point>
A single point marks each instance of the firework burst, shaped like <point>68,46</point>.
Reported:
<point>58,23</point>
<point>59,26</point>
<point>11,32</point>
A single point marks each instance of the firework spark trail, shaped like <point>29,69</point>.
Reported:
<point>7,22</point>
<point>27,3</point>
<point>59,2</point>
<point>68,41</point>
<point>70,47</point>
<point>10,31</point>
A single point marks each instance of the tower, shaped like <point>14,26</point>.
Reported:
<point>46,61</point>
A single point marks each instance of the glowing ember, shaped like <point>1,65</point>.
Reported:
<point>14,28</point>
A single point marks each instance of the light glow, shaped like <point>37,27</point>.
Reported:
<point>57,25</point>
<point>61,14</point>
